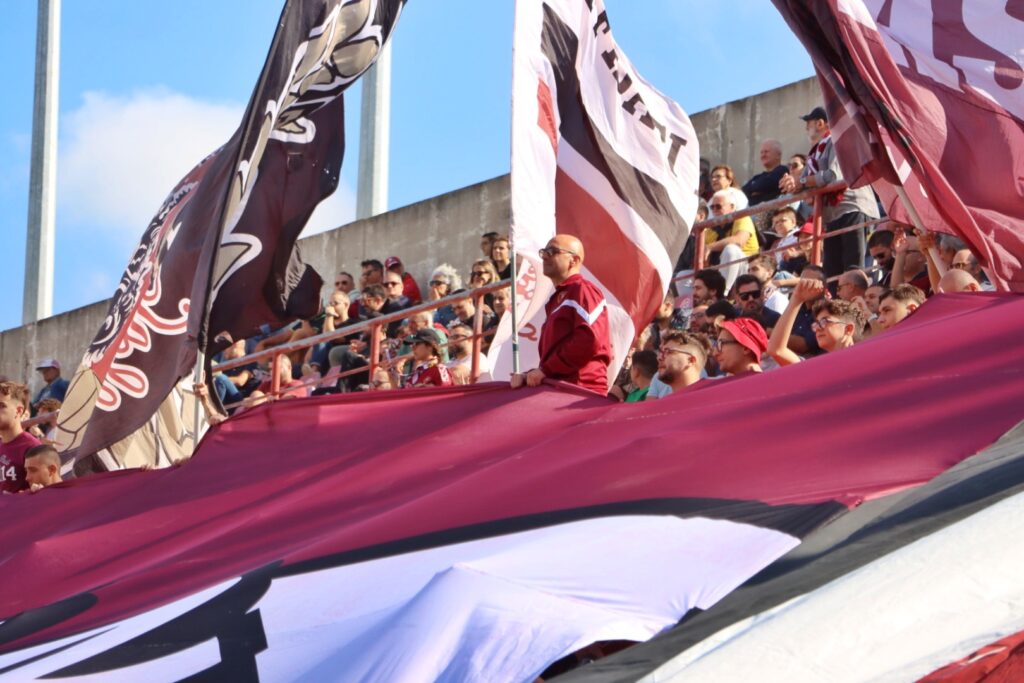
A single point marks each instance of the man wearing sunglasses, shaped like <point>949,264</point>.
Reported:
<point>750,300</point>
<point>575,345</point>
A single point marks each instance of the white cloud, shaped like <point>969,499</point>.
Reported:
<point>121,155</point>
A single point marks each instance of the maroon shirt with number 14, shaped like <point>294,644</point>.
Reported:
<point>12,462</point>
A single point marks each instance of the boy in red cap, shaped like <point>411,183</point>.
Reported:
<point>739,345</point>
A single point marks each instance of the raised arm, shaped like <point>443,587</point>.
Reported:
<point>778,343</point>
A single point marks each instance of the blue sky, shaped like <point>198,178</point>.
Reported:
<point>147,89</point>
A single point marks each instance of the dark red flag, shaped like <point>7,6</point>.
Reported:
<point>929,95</point>
<point>220,254</point>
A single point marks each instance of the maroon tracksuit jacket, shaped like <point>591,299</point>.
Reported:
<point>574,342</point>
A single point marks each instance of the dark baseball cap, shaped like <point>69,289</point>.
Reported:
<point>816,113</point>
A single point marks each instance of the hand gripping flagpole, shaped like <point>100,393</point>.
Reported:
<point>915,217</point>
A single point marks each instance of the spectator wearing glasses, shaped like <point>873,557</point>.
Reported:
<point>731,242</point>
<point>681,360</point>
<point>481,274</point>
<point>837,323</point>
<point>575,346</point>
<point>723,178</point>
<point>853,285</point>
<point>796,165</point>
<point>763,267</point>
<point>897,303</point>
<point>443,281</point>
<point>372,274</point>
<point>739,346</point>
<point>460,349</point>
<point>428,371</point>
<point>750,298</point>
<point>346,284</point>
<point>410,289</point>
<point>965,260</point>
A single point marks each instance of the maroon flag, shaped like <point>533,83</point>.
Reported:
<point>929,96</point>
<point>487,547</point>
<point>220,254</point>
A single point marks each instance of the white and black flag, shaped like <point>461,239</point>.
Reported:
<point>599,153</point>
<point>220,256</point>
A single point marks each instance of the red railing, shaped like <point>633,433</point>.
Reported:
<point>815,193</point>
<point>374,327</point>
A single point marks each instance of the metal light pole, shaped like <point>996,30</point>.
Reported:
<point>42,207</point>
<point>374,126</point>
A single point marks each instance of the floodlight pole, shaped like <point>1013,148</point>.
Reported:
<point>374,127</point>
<point>42,206</point>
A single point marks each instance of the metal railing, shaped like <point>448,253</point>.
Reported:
<point>817,194</point>
<point>373,327</point>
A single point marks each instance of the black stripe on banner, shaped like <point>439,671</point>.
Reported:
<point>230,617</point>
<point>644,194</point>
<point>795,520</point>
<point>866,534</point>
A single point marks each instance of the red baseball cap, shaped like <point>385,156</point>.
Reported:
<point>807,228</point>
<point>749,333</point>
<point>392,261</point>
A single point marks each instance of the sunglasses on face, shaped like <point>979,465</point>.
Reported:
<point>717,207</point>
<point>437,283</point>
<point>717,344</point>
<point>551,252</point>
<point>747,296</point>
<point>666,351</point>
<point>479,273</point>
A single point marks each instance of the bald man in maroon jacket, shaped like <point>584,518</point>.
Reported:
<point>574,341</point>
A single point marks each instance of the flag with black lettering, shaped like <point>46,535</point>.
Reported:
<point>927,96</point>
<point>220,254</point>
<point>599,153</point>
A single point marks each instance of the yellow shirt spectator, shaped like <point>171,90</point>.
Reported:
<point>750,247</point>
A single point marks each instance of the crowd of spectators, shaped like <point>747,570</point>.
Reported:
<point>761,303</point>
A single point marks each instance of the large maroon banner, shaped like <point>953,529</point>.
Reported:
<point>422,531</point>
<point>929,96</point>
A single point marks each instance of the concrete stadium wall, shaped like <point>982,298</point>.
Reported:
<point>441,229</point>
<point>732,132</point>
<point>444,228</point>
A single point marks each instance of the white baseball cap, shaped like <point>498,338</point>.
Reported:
<point>48,363</point>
